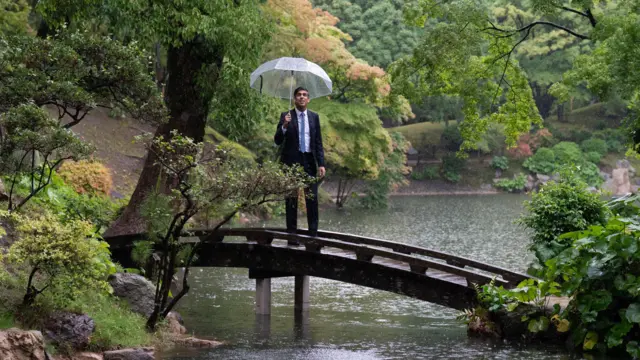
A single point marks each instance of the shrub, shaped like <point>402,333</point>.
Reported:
<point>615,146</point>
<point>522,150</point>
<point>589,173</point>
<point>500,162</point>
<point>601,276</point>
<point>543,162</point>
<point>66,258</point>
<point>558,208</point>
<point>593,157</point>
<point>567,152</point>
<point>451,139</point>
<point>594,145</point>
<point>516,184</point>
<point>87,176</point>
<point>429,172</point>
<point>451,167</point>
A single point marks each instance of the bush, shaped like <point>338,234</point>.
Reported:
<point>451,139</point>
<point>615,146</point>
<point>451,167</point>
<point>517,184</point>
<point>500,162</point>
<point>558,208</point>
<point>601,276</point>
<point>87,176</point>
<point>594,145</point>
<point>589,173</point>
<point>429,173</point>
<point>593,157</point>
<point>65,258</point>
<point>567,153</point>
<point>543,162</point>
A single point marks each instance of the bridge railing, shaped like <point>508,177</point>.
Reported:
<point>418,259</point>
<point>362,246</point>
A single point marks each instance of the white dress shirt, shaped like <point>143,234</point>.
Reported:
<point>307,134</point>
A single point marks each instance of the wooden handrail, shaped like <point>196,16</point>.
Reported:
<point>400,252</point>
<point>413,262</point>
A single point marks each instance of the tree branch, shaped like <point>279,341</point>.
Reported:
<point>509,33</point>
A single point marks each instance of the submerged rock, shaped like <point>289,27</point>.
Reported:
<point>130,354</point>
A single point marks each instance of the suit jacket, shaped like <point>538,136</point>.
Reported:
<point>291,142</point>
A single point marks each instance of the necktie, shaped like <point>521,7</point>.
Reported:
<point>303,147</point>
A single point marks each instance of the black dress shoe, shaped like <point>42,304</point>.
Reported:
<point>313,233</point>
<point>293,243</point>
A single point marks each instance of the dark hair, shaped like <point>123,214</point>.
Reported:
<point>298,89</point>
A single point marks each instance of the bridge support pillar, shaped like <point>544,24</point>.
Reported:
<point>263,296</point>
<point>301,296</point>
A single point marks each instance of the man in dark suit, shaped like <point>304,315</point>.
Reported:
<point>299,130</point>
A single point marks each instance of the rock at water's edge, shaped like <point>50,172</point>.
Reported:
<point>136,290</point>
<point>68,330</point>
<point>130,354</point>
<point>16,344</point>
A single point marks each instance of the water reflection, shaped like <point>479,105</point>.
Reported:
<point>351,322</point>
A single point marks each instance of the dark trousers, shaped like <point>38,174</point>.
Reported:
<point>311,198</point>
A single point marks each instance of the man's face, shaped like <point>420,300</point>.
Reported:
<point>302,99</point>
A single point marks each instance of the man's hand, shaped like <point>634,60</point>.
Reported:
<point>287,120</point>
<point>321,171</point>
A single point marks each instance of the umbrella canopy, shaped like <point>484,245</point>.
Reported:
<point>280,76</point>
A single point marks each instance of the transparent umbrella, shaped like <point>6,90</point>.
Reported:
<point>280,76</point>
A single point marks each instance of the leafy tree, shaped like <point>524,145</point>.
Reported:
<point>203,182</point>
<point>33,144</point>
<point>376,27</point>
<point>355,142</point>
<point>197,36</point>
<point>392,174</point>
<point>470,48</point>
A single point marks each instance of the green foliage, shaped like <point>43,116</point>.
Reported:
<point>542,162</point>
<point>593,157</point>
<point>500,162</point>
<point>6,320</point>
<point>451,139</point>
<point>600,274</point>
<point>392,174</point>
<point>457,50</point>
<point>33,145</point>
<point>379,35</point>
<point>428,172</point>
<point>14,17</point>
<point>451,167</point>
<point>560,207</point>
<point>595,145</point>
<point>355,143</point>
<point>567,153</point>
<point>516,184</point>
<point>66,257</point>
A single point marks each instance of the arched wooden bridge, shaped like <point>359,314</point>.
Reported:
<point>418,272</point>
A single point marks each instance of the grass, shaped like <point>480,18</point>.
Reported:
<point>116,325</point>
<point>590,117</point>
<point>421,134</point>
<point>6,320</point>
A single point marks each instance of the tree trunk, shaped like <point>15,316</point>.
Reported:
<point>188,106</point>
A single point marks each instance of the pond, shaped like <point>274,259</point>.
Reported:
<point>352,322</point>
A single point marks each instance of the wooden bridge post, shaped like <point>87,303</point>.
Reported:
<point>263,296</point>
<point>301,296</point>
